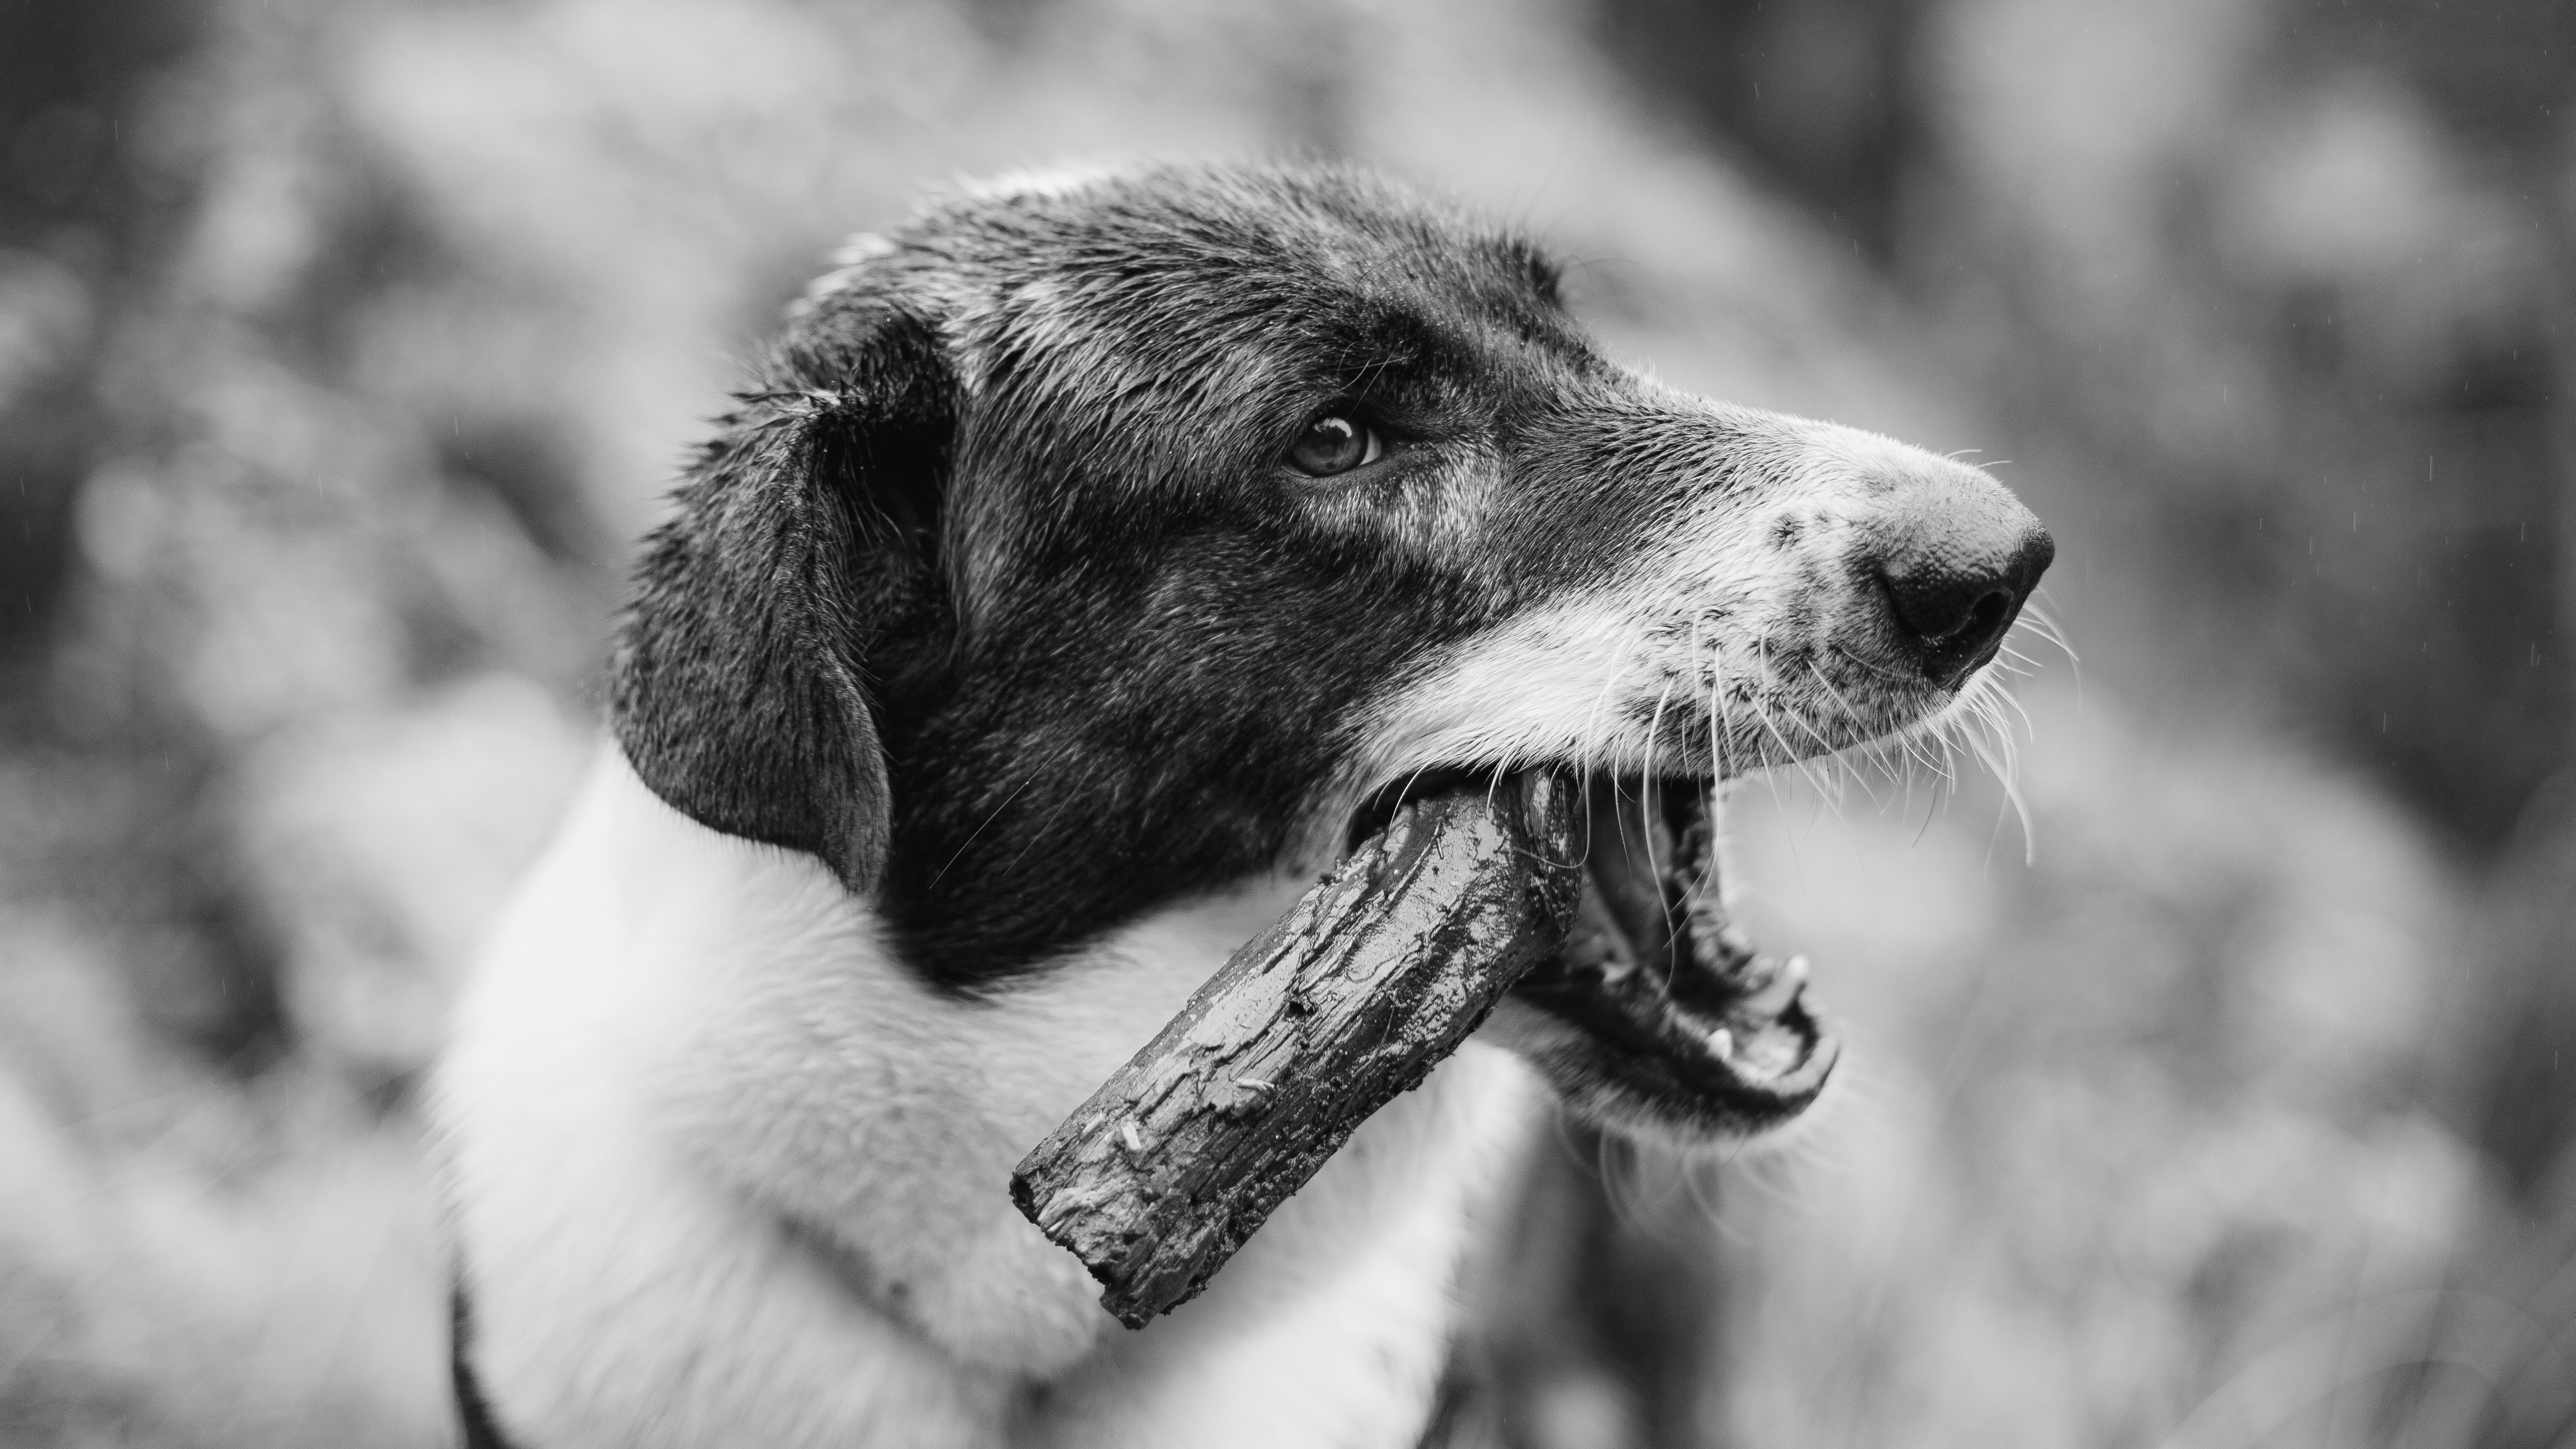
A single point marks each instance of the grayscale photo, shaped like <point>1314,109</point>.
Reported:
<point>1336,724</point>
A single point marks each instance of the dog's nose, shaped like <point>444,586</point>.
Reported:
<point>1957,574</point>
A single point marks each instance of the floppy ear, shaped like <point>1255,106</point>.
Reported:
<point>803,532</point>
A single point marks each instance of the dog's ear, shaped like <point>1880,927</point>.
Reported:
<point>804,532</point>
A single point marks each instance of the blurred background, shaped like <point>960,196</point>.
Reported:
<point>345,345</point>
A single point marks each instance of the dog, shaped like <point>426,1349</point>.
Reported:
<point>1087,562</point>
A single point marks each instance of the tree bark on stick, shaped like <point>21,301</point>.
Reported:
<point>1368,982</point>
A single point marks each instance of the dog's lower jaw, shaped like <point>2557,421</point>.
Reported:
<point>722,1172</point>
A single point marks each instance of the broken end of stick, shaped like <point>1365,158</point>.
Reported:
<point>1347,1002</point>
<point>1134,1298</point>
<point>1137,1304</point>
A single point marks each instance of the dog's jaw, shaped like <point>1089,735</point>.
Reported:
<point>687,1071</point>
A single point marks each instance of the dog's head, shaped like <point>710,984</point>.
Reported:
<point>1088,546</point>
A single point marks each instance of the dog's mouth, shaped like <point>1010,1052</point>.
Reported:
<point>1658,1015</point>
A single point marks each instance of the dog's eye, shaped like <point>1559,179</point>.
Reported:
<point>1334,443</point>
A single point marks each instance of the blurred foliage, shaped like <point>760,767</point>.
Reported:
<point>343,348</point>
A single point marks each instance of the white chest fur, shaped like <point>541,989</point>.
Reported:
<point>679,1043</point>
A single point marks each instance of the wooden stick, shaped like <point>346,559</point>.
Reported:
<point>1369,981</point>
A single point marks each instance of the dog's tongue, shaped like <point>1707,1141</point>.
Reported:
<point>1654,872</point>
<point>1658,972</point>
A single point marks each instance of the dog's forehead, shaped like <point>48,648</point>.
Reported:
<point>1347,226</point>
<point>1178,254</point>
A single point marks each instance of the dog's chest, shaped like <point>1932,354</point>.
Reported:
<point>722,1162</point>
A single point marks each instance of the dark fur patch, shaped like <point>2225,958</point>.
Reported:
<point>474,1419</point>
<point>803,536</point>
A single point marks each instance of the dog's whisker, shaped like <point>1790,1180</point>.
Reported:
<point>2006,699</point>
<point>2035,613</point>
<point>1646,812</point>
<point>978,831</point>
<point>1796,758</point>
<point>1845,706</point>
<point>1906,681</point>
<point>1612,670</point>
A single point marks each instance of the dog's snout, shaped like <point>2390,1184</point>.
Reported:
<point>1957,573</point>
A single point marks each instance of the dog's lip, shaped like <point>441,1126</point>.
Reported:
<point>1692,1017</point>
<point>1680,1011</point>
<point>1752,1056</point>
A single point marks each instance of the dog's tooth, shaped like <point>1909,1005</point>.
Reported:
<point>1775,995</point>
<point>1722,1042</point>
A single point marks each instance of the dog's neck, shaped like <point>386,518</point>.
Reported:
<point>726,1171</point>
